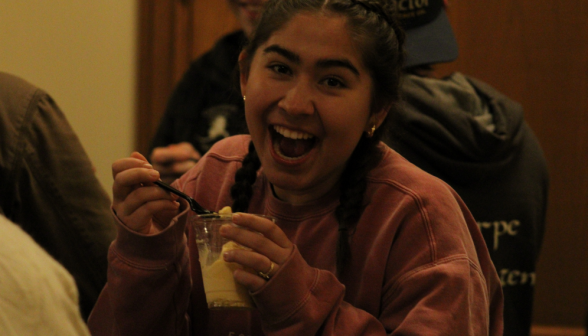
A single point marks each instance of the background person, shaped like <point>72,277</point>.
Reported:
<point>363,243</point>
<point>206,105</point>
<point>49,187</point>
<point>37,295</point>
<point>476,139</point>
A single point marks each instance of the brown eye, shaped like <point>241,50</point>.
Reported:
<point>280,68</point>
<point>333,82</point>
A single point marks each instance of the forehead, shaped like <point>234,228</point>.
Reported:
<point>317,36</point>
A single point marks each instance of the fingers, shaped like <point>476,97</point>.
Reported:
<point>136,200</point>
<point>256,267</point>
<point>252,260</point>
<point>147,200</point>
<point>138,156</point>
<point>141,221</point>
<point>173,170</point>
<point>264,226</point>
<point>252,282</point>
<point>183,151</point>
<point>136,160</point>
<point>129,174</point>
<point>270,248</point>
<point>174,160</point>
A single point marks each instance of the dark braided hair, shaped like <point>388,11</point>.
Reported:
<point>378,35</point>
<point>242,190</point>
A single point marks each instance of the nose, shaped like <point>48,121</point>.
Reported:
<point>298,100</point>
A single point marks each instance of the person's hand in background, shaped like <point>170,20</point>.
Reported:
<point>174,160</point>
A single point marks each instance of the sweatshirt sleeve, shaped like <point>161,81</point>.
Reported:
<point>308,301</point>
<point>148,285</point>
<point>446,297</point>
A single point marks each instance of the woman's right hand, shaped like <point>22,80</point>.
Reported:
<point>136,200</point>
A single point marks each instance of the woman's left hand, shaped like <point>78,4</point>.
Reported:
<point>269,250</point>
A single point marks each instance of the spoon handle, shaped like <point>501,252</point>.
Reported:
<point>197,208</point>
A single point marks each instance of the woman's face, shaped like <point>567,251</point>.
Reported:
<point>307,104</point>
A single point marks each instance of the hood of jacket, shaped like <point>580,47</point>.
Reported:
<point>462,127</point>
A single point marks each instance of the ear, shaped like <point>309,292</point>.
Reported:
<point>243,71</point>
<point>376,119</point>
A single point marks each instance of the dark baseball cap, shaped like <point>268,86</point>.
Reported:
<point>429,36</point>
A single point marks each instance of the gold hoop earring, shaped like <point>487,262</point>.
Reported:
<point>371,132</point>
<point>244,98</point>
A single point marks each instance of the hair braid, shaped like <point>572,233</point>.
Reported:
<point>353,186</point>
<point>245,177</point>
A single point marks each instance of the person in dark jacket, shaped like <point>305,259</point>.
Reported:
<point>476,139</point>
<point>206,105</point>
<point>48,186</point>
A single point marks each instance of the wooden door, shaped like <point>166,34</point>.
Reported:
<point>171,35</point>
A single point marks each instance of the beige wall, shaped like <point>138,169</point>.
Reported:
<point>83,54</point>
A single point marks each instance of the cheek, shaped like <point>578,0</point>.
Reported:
<point>254,98</point>
<point>261,96</point>
<point>348,121</point>
<point>344,130</point>
<point>257,105</point>
<point>253,118</point>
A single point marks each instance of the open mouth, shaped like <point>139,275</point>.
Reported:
<point>291,145</point>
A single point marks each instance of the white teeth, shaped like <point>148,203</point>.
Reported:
<point>292,134</point>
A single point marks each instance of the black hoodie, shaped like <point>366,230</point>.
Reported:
<point>206,105</point>
<point>475,139</point>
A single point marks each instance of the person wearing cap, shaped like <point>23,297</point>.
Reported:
<point>476,139</point>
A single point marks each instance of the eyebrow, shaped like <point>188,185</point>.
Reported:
<point>323,63</point>
<point>274,48</point>
<point>343,63</point>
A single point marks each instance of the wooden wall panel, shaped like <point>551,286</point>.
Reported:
<point>212,23</point>
<point>557,331</point>
<point>161,60</point>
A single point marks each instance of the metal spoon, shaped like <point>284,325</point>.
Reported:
<point>197,208</point>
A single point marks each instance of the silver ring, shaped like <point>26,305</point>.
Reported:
<point>266,275</point>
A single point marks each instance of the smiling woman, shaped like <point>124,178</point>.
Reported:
<point>363,242</point>
<point>307,79</point>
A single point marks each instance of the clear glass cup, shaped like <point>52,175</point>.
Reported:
<point>222,291</point>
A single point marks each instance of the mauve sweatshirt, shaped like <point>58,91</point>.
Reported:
<point>419,264</point>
